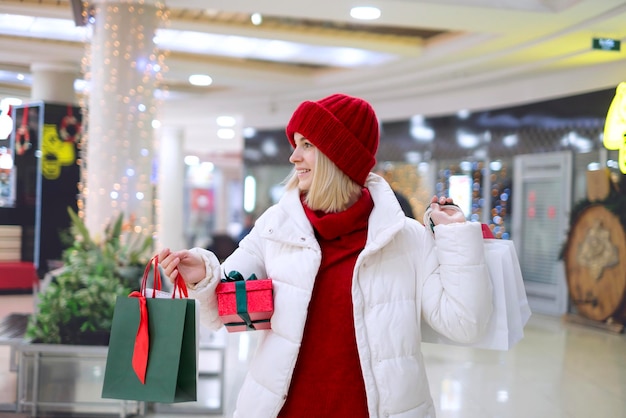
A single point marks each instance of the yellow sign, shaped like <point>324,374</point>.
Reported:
<point>56,153</point>
<point>615,125</point>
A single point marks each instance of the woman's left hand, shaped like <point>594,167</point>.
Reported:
<point>444,211</point>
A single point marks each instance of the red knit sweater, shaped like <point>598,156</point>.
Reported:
<point>327,380</point>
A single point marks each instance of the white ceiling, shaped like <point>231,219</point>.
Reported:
<point>478,54</point>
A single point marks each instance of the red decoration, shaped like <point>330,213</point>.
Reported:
<point>22,135</point>
<point>202,200</point>
<point>70,128</point>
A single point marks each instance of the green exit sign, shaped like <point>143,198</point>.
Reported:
<point>606,44</point>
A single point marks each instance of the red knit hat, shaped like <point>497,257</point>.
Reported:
<point>344,128</point>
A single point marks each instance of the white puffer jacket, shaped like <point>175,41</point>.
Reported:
<point>400,278</point>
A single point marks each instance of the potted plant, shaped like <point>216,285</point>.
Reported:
<point>76,307</point>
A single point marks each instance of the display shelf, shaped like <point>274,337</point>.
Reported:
<point>66,378</point>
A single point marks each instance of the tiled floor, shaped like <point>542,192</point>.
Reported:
<point>559,370</point>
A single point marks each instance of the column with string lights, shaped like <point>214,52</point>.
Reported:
<point>123,69</point>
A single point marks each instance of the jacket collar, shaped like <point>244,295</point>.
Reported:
<point>387,217</point>
<point>289,223</point>
<point>385,221</point>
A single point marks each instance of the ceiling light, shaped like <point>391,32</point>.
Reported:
<point>256,19</point>
<point>279,50</point>
<point>365,13</point>
<point>225,133</point>
<point>422,133</point>
<point>81,85</point>
<point>200,80</point>
<point>582,144</point>
<point>466,139</point>
<point>249,132</point>
<point>192,160</point>
<point>269,147</point>
<point>465,166</point>
<point>349,57</point>
<point>226,121</point>
<point>463,114</point>
<point>595,166</point>
<point>510,140</point>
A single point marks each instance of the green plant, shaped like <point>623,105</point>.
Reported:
<point>80,299</point>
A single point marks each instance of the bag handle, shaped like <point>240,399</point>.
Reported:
<point>181,286</point>
<point>156,277</point>
<point>179,282</point>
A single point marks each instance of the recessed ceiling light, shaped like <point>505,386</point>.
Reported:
<point>463,114</point>
<point>200,80</point>
<point>365,13</point>
<point>226,121</point>
<point>225,133</point>
<point>249,132</point>
<point>256,19</point>
<point>192,160</point>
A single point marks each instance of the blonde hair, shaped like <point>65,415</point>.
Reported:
<point>331,189</point>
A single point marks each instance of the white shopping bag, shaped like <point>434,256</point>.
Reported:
<point>510,311</point>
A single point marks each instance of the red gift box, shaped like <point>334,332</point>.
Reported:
<point>245,305</point>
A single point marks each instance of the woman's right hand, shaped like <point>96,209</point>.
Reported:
<point>184,262</point>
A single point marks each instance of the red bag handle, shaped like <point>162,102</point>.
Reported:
<point>156,277</point>
<point>179,282</point>
<point>181,285</point>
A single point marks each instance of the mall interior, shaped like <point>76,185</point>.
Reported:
<point>129,126</point>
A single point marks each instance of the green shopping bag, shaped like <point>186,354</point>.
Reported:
<point>153,339</point>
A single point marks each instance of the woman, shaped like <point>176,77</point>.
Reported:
<point>353,279</point>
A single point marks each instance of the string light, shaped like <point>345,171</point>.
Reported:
<point>123,69</point>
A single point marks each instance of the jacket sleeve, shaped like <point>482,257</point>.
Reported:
<point>246,259</point>
<point>457,291</point>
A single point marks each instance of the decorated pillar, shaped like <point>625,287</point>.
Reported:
<point>123,71</point>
